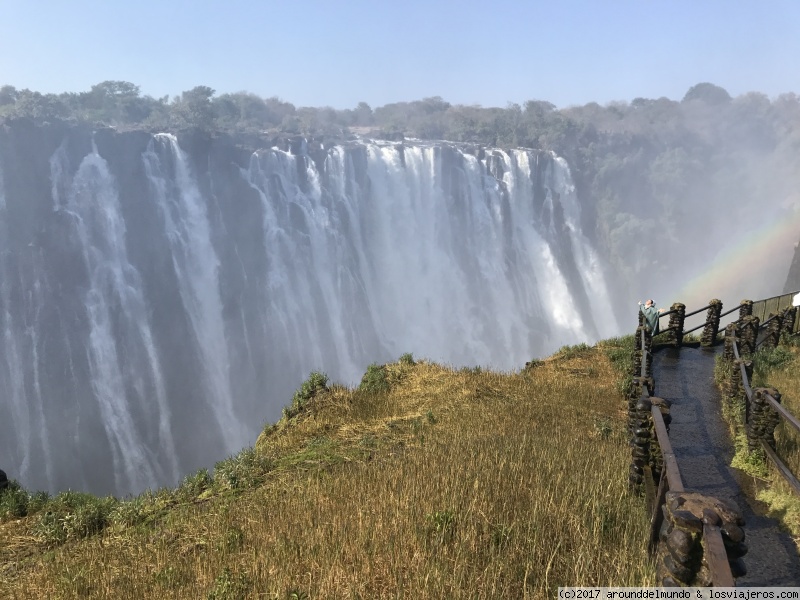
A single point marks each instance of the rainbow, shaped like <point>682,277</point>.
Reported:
<point>765,253</point>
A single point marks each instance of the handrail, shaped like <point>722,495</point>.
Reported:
<point>745,380</point>
<point>716,556</point>
<point>715,553</point>
<point>727,312</point>
<point>781,466</point>
<point>670,462</point>
<point>694,312</point>
<point>772,318</point>
<point>781,409</point>
<point>694,328</point>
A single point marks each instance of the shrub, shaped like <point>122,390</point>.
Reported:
<point>74,515</point>
<point>374,380</point>
<point>228,586</point>
<point>767,360</point>
<point>194,485</point>
<point>440,525</point>
<point>315,383</point>
<point>131,512</point>
<point>244,470</point>
<point>37,501</point>
<point>14,501</point>
<point>407,359</point>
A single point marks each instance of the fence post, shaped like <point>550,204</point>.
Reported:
<point>683,558</point>
<point>789,318</point>
<point>676,320</point>
<point>731,337</point>
<point>773,333</point>
<point>641,421</point>
<point>748,335</point>
<point>745,308</point>
<point>763,419</point>
<point>733,388</point>
<point>656,456</point>
<point>710,331</point>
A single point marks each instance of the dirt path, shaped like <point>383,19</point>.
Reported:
<point>703,448</point>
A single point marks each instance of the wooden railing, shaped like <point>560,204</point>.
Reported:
<point>648,419</point>
<point>655,470</point>
<point>776,307</point>
<point>763,408</point>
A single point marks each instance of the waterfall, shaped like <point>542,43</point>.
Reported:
<point>125,369</point>
<point>160,300</point>
<point>196,265</point>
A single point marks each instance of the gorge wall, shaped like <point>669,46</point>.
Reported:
<point>161,297</point>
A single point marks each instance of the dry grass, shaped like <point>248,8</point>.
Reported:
<point>454,484</point>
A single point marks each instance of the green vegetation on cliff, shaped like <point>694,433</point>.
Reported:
<point>425,482</point>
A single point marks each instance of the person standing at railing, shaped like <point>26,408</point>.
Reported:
<point>651,314</point>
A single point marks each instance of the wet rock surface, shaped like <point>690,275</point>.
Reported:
<point>703,449</point>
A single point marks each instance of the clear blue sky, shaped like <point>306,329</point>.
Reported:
<point>340,52</point>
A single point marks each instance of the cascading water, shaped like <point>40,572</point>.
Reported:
<point>169,298</point>
<point>124,366</point>
<point>195,261</point>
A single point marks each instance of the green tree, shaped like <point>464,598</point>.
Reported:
<point>194,108</point>
<point>708,93</point>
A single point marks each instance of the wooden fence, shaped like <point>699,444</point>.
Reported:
<point>763,408</point>
<point>698,539</point>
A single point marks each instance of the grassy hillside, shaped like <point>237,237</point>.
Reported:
<point>428,482</point>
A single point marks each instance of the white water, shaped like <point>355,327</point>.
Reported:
<point>123,369</point>
<point>460,280</point>
<point>184,212</point>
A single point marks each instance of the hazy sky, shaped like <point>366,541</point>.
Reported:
<point>340,52</point>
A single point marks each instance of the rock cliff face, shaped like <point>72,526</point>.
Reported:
<point>161,296</point>
<point>793,278</point>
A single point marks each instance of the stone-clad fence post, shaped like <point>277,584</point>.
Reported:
<point>748,335</point>
<point>676,320</point>
<point>641,438</point>
<point>762,419</point>
<point>710,331</point>
<point>745,308</point>
<point>682,555</point>
<point>773,334</point>
<point>789,318</point>
<point>731,338</point>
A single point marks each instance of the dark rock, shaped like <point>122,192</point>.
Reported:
<point>674,501</point>
<point>732,532</point>
<point>686,520</point>
<point>668,581</point>
<point>666,527</point>
<point>3,480</point>
<point>735,550</point>
<point>738,568</point>
<point>680,544</point>
<point>679,571</point>
<point>710,517</point>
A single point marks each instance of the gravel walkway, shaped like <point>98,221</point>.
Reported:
<point>703,448</point>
